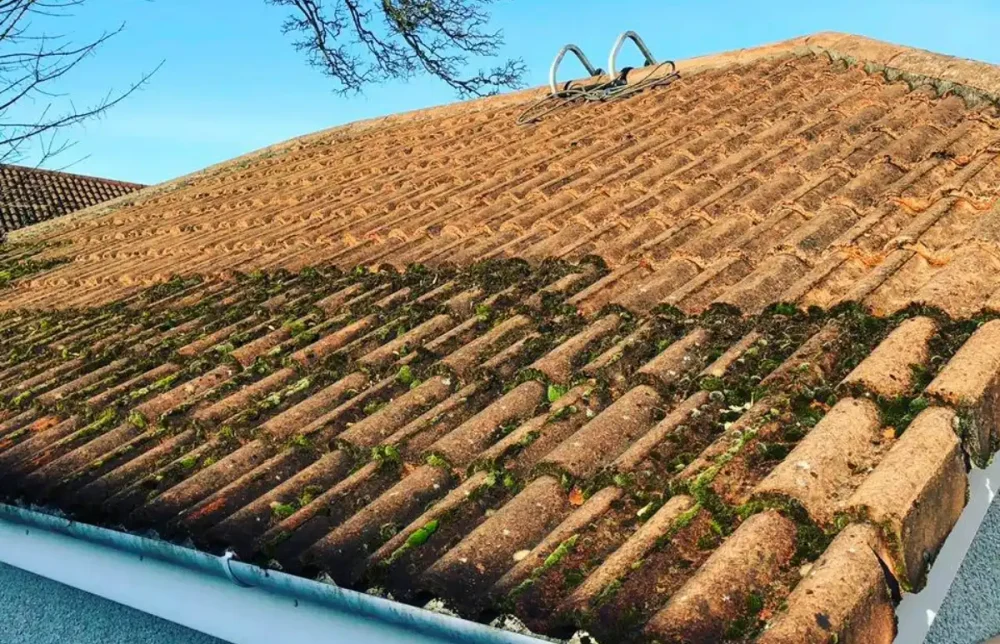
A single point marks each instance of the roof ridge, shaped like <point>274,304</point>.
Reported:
<point>979,75</point>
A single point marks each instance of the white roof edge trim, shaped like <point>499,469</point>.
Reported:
<point>224,598</point>
<point>917,611</point>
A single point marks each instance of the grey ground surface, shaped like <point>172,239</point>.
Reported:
<point>971,611</point>
<point>35,610</point>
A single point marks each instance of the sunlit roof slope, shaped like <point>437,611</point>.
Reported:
<point>778,173</point>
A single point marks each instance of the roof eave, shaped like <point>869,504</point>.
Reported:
<point>219,596</point>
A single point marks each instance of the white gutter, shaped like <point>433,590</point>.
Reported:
<point>224,598</point>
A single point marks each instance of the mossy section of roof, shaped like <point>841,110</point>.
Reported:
<point>469,434</point>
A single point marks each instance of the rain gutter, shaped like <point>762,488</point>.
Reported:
<point>228,599</point>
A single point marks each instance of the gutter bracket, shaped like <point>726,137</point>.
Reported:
<point>227,569</point>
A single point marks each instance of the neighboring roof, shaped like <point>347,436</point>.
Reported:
<point>581,439</point>
<point>31,195</point>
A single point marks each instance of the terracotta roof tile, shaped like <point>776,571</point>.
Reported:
<point>564,372</point>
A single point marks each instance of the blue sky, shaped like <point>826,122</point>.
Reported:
<point>232,83</point>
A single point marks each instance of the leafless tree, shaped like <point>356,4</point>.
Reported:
<point>364,42</point>
<point>34,117</point>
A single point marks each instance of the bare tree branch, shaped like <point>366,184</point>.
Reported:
<point>32,61</point>
<point>364,42</point>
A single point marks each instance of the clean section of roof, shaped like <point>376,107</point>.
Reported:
<point>30,195</point>
<point>704,364</point>
<point>773,173</point>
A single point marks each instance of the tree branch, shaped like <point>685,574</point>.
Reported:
<point>31,64</point>
<point>363,42</point>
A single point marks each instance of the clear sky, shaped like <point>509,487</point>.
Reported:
<point>232,83</point>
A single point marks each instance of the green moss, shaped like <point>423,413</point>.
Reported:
<point>749,624</point>
<point>189,462</point>
<point>20,398</point>
<point>711,383</point>
<point>165,382</point>
<point>899,412</point>
<point>563,413</point>
<point>298,387</point>
<point>608,593</point>
<point>282,511</point>
<point>419,537</point>
<point>374,406</point>
<point>106,418</point>
<point>624,480</point>
<point>557,555</point>
<point>136,419</point>
<point>561,551</point>
<point>270,402</point>
<point>707,542</point>
<point>646,511</point>
<point>386,454</point>
<point>555,392</point>
<point>435,460</point>
<point>784,308</point>
<point>18,435</point>
<point>405,375</point>
<point>529,438</point>
<point>295,327</point>
<point>309,495</point>
<point>12,271</point>
<point>811,540</point>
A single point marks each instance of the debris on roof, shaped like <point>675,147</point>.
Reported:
<point>31,195</point>
<point>690,366</point>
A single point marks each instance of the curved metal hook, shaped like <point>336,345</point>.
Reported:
<point>580,55</point>
<point>227,569</point>
<point>634,37</point>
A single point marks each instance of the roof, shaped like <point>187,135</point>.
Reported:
<point>31,195</point>
<point>707,363</point>
<point>756,146</point>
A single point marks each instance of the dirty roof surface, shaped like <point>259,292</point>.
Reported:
<point>707,364</point>
<point>30,195</point>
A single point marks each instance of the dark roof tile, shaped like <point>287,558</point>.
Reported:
<point>30,195</point>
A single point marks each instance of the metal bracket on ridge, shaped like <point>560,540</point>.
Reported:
<point>613,57</point>
<point>593,71</point>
